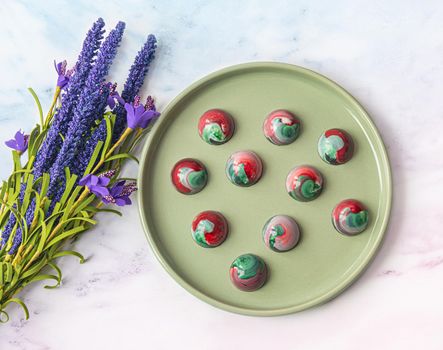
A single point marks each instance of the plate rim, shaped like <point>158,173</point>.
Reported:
<point>386,173</point>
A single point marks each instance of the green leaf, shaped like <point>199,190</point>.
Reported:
<point>67,173</point>
<point>32,145</point>
<point>36,144</point>
<point>15,276</point>
<point>16,159</point>
<point>36,268</point>
<point>27,194</point>
<point>44,277</point>
<point>140,137</point>
<point>29,167</point>
<point>48,204</point>
<point>70,183</point>
<point>59,275</point>
<point>93,157</point>
<point>122,156</point>
<point>66,234</point>
<point>109,126</point>
<point>68,206</point>
<point>133,179</point>
<point>18,302</point>
<point>21,171</point>
<point>3,191</point>
<point>104,210</point>
<point>18,217</point>
<point>69,252</point>
<point>39,106</point>
<point>45,184</point>
<point>8,271</point>
<point>88,200</point>
<point>4,317</point>
<point>2,279</point>
<point>44,234</point>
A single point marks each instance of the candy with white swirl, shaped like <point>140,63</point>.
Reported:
<point>216,127</point>
<point>209,229</point>
<point>350,217</point>
<point>244,168</point>
<point>304,183</point>
<point>281,127</point>
<point>189,176</point>
<point>281,233</point>
<point>335,146</point>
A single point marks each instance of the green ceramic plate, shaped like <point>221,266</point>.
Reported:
<point>325,262</point>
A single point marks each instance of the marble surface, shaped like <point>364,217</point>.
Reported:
<point>388,54</point>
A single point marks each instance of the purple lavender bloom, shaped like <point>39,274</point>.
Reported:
<point>87,148</point>
<point>119,193</point>
<point>51,145</point>
<point>150,103</point>
<point>96,184</point>
<point>108,173</point>
<point>63,74</point>
<point>139,69</point>
<point>114,96</point>
<point>138,116</point>
<point>134,82</point>
<point>19,142</point>
<point>87,109</point>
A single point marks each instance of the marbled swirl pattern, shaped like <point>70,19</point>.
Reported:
<point>209,229</point>
<point>189,176</point>
<point>335,146</point>
<point>281,127</point>
<point>350,217</point>
<point>248,272</point>
<point>281,233</point>
<point>244,168</point>
<point>304,183</point>
<point>216,127</point>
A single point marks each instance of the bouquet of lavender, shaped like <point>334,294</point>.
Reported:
<point>71,170</point>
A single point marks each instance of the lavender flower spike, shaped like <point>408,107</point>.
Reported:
<point>86,111</point>
<point>19,142</point>
<point>134,82</point>
<point>96,184</point>
<point>63,74</point>
<point>139,69</point>
<point>52,143</point>
<point>119,193</point>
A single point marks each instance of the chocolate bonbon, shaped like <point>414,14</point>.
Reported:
<point>209,229</point>
<point>304,183</point>
<point>248,272</point>
<point>281,127</point>
<point>244,168</point>
<point>189,176</point>
<point>216,127</point>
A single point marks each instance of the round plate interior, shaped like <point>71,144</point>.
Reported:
<point>325,262</point>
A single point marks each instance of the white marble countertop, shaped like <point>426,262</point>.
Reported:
<point>390,56</point>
